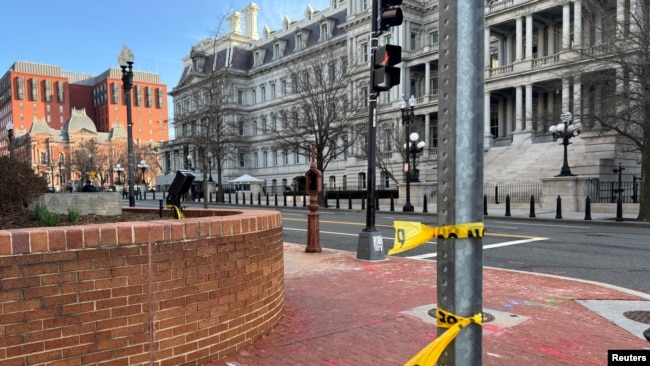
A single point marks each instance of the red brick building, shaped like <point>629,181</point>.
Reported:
<point>43,102</point>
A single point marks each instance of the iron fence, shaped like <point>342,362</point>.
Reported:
<point>519,192</point>
<point>608,192</point>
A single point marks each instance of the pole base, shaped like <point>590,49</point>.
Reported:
<point>408,208</point>
<point>371,246</point>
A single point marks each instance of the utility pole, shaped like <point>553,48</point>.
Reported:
<point>383,76</point>
<point>460,171</point>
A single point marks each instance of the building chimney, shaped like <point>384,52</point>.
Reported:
<point>235,23</point>
<point>251,21</point>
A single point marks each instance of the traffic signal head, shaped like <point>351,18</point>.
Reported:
<point>390,15</point>
<point>385,75</point>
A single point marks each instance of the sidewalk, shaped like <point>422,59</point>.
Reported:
<point>342,311</point>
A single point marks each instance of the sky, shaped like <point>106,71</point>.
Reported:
<point>86,36</point>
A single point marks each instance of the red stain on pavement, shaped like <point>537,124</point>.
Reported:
<point>556,353</point>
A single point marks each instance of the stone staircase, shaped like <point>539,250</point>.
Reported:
<point>532,162</point>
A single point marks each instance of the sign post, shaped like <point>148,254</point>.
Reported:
<point>460,171</point>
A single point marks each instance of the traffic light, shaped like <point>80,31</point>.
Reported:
<point>390,15</point>
<point>385,75</point>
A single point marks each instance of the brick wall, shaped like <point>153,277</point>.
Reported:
<point>165,292</point>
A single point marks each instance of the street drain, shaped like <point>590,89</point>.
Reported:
<point>638,316</point>
<point>487,317</point>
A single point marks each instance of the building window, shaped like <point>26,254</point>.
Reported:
<point>345,182</point>
<point>34,86</point>
<point>433,135</point>
<point>296,157</point>
<point>275,158</point>
<point>256,162</point>
<point>365,53</point>
<point>361,177</point>
<point>434,85</point>
<point>159,98</point>
<point>149,96</point>
<point>286,157</point>
<point>115,91</point>
<point>265,156</point>
<point>263,92</point>
<point>21,87</point>
<point>240,97</point>
<point>283,87</point>
<point>433,38</point>
<point>242,159</point>
<point>241,128</point>
<point>138,95</point>
<point>59,91</point>
<point>48,90</point>
<point>364,4</point>
<point>273,91</point>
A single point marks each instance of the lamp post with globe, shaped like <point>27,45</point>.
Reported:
<point>565,130</point>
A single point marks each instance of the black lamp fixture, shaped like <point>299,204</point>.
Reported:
<point>125,59</point>
<point>565,130</point>
<point>407,118</point>
<point>143,166</point>
<point>118,169</point>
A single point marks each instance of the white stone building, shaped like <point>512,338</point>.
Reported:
<point>530,45</point>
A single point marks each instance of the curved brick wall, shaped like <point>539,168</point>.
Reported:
<point>165,292</point>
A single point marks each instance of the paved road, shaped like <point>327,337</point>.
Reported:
<point>598,251</point>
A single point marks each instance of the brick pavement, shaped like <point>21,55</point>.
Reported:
<point>341,311</point>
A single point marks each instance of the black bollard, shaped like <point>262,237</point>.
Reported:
<point>251,198</point>
<point>276,199</point>
<point>304,200</point>
<point>349,201</point>
<point>160,208</point>
<point>508,205</point>
<point>363,201</point>
<point>558,210</point>
<point>338,205</point>
<point>619,208</point>
<point>496,195</point>
<point>154,195</point>
<point>485,212</point>
<point>588,208</point>
<point>243,198</point>
<point>294,198</point>
<point>424,208</point>
<point>267,198</point>
<point>229,199</point>
<point>532,206</point>
<point>284,199</point>
<point>325,204</point>
<point>236,198</point>
<point>392,202</point>
<point>259,198</point>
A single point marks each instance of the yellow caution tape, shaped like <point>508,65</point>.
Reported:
<point>179,212</point>
<point>409,234</point>
<point>444,319</point>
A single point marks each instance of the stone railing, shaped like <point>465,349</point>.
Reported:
<point>160,292</point>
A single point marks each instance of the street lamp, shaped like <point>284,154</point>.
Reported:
<point>406,119</point>
<point>118,169</point>
<point>210,163</point>
<point>143,166</point>
<point>60,175</point>
<point>125,59</point>
<point>189,160</point>
<point>10,135</point>
<point>566,129</point>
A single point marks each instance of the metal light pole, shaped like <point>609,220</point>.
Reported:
<point>414,149</point>
<point>565,130</point>
<point>370,245</point>
<point>406,121</point>
<point>60,176</point>
<point>10,135</point>
<point>210,164</point>
<point>125,59</point>
<point>189,160</point>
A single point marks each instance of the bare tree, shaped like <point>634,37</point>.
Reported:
<point>321,108</point>
<point>619,66</point>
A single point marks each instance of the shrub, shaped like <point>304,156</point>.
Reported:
<point>19,185</point>
<point>73,215</point>
<point>45,217</point>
